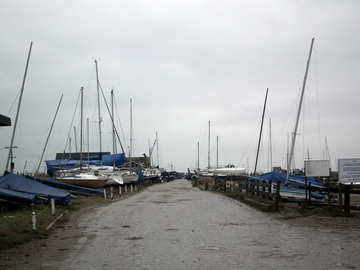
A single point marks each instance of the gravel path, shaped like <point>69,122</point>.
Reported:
<point>176,226</point>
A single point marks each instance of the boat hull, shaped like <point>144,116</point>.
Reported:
<point>89,183</point>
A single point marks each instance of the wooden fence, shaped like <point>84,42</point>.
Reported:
<point>265,190</point>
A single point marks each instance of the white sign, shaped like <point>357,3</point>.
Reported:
<point>349,170</point>
<point>317,168</point>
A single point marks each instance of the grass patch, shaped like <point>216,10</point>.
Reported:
<point>16,224</point>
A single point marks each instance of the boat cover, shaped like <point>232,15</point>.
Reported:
<point>294,180</point>
<point>106,160</point>
<point>16,196</point>
<point>18,183</point>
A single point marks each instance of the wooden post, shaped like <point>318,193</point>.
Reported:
<point>33,221</point>
<point>329,200</point>
<point>309,193</point>
<point>120,190</point>
<point>340,196</point>
<point>277,198</point>
<point>263,189</point>
<point>347,199</point>
<point>270,190</point>
<point>105,193</point>
<point>52,206</point>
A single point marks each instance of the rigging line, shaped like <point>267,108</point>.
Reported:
<point>71,125</point>
<point>112,120</point>
<point>286,120</point>
<point>224,154</point>
<point>317,100</point>
<point>12,105</point>
<point>118,117</point>
<point>249,144</point>
<point>203,141</point>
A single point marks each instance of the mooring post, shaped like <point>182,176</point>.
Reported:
<point>125,189</point>
<point>340,197</point>
<point>277,198</point>
<point>52,206</point>
<point>105,193</point>
<point>33,221</point>
<point>347,199</point>
<point>119,190</point>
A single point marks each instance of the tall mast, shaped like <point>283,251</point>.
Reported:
<point>99,116</point>
<point>270,148</point>
<point>262,121</point>
<point>157,149</point>
<point>81,126</point>
<point>198,158</point>
<point>298,115</point>
<point>10,155</point>
<point>131,132</point>
<point>209,148</point>
<point>217,151</point>
<point>113,125</point>
<point>88,142</point>
<point>47,139</point>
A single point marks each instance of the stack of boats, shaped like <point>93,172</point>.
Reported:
<point>97,176</point>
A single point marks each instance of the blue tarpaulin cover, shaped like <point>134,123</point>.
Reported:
<point>18,183</point>
<point>294,180</point>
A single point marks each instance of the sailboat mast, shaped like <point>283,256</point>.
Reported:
<point>157,149</point>
<point>10,155</point>
<point>131,131</point>
<point>81,125</point>
<point>198,158</point>
<point>298,115</point>
<point>262,121</point>
<point>270,147</point>
<point>47,139</point>
<point>217,151</point>
<point>113,125</point>
<point>209,148</point>
<point>88,142</point>
<point>99,116</point>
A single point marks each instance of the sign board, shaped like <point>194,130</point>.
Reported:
<point>317,168</point>
<point>349,170</point>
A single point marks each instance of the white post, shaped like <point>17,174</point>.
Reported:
<point>119,190</point>
<point>125,189</point>
<point>105,193</point>
<point>111,192</point>
<point>33,221</point>
<point>52,206</point>
<point>131,188</point>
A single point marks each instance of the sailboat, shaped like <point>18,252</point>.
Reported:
<point>86,177</point>
<point>228,170</point>
<point>292,186</point>
<point>65,161</point>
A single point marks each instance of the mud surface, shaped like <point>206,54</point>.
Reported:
<point>176,226</point>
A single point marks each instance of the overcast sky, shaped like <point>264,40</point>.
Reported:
<point>183,64</point>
